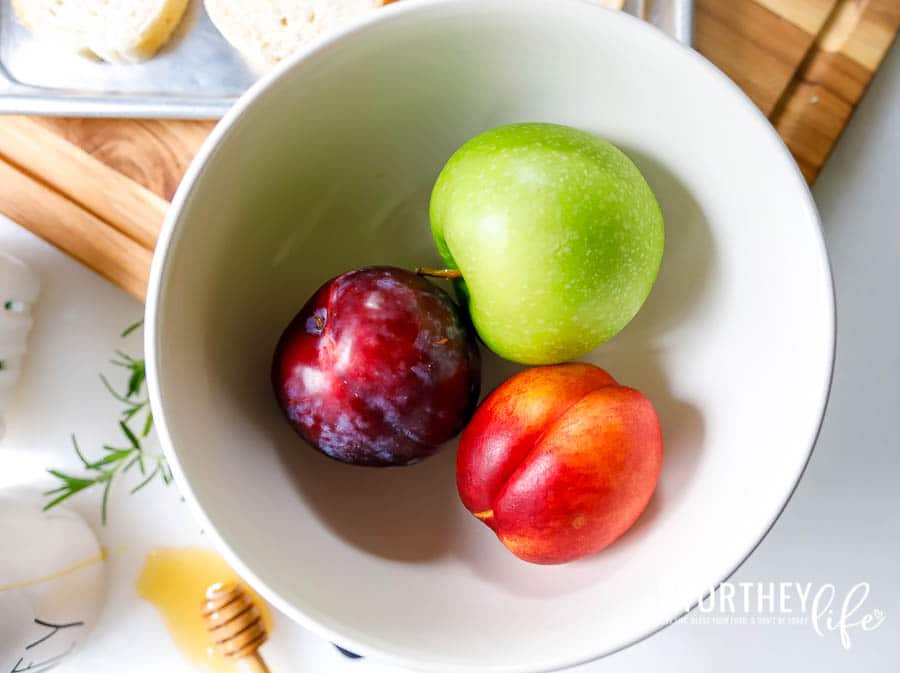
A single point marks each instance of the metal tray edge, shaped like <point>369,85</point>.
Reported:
<point>18,99</point>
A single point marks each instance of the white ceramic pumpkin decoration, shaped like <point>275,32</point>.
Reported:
<point>19,288</point>
<point>52,582</point>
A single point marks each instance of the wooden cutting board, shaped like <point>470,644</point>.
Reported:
<point>98,188</point>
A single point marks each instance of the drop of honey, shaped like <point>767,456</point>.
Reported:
<point>174,580</point>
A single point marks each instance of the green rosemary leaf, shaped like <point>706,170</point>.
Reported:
<point>148,424</point>
<point>130,435</point>
<point>146,481</point>
<point>112,457</point>
<point>131,463</point>
<point>131,412</point>
<point>116,460</point>
<point>78,452</point>
<point>136,382</point>
<point>104,501</point>
<point>56,501</point>
<point>132,328</point>
<point>71,482</point>
<point>112,391</point>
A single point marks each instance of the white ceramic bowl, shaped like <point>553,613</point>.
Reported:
<point>327,165</point>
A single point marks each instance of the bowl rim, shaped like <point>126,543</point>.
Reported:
<point>171,232</point>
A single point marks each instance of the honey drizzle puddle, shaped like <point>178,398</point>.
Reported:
<point>174,580</point>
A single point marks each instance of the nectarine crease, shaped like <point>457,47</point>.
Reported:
<point>560,461</point>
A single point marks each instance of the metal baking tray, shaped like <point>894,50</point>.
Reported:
<point>197,75</point>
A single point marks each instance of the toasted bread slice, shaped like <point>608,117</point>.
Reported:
<point>268,31</point>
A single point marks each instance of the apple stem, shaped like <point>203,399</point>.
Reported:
<point>439,273</point>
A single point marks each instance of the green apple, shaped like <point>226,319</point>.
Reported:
<point>556,234</point>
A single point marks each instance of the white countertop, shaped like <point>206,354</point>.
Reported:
<point>842,526</point>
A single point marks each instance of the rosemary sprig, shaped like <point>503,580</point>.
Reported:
<point>117,459</point>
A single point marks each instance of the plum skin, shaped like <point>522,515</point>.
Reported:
<point>379,368</point>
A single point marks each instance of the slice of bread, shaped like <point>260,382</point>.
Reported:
<point>134,30</point>
<point>64,24</point>
<point>120,31</point>
<point>268,31</point>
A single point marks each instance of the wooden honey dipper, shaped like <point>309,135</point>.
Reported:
<point>235,624</point>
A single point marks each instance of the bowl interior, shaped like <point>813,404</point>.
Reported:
<point>329,168</point>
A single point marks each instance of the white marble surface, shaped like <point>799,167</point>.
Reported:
<point>842,526</point>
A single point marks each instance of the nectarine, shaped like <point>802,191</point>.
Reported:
<point>560,461</point>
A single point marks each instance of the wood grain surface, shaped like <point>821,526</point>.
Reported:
<point>833,77</point>
<point>805,63</point>
<point>74,230</point>
<point>155,153</point>
<point>95,186</point>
